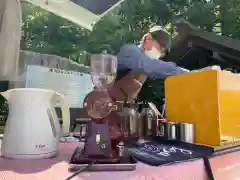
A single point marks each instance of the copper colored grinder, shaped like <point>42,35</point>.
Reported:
<point>103,132</point>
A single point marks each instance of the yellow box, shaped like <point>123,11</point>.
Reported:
<point>209,99</point>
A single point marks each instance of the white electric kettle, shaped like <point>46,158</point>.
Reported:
<point>32,130</point>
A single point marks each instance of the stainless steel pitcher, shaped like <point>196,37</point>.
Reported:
<point>148,121</point>
<point>130,123</point>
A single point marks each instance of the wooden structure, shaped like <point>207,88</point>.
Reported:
<point>209,99</point>
<point>195,49</point>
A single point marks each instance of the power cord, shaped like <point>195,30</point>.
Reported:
<point>81,170</point>
<point>208,168</point>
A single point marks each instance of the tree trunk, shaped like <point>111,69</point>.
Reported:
<point>223,13</point>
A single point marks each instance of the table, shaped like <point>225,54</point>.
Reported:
<point>57,169</point>
<point>227,166</point>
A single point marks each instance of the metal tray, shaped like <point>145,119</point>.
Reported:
<point>127,165</point>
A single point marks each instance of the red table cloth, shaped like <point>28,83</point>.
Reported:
<point>57,169</point>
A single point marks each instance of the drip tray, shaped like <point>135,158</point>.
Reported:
<point>126,163</point>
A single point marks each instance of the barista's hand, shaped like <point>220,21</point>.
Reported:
<point>126,89</point>
<point>117,94</point>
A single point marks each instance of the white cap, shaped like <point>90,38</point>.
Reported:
<point>158,28</point>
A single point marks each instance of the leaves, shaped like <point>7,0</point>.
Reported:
<point>46,33</point>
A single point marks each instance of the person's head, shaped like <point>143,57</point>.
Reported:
<point>156,42</point>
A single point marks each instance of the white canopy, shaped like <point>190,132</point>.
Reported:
<point>72,10</point>
<point>10,25</point>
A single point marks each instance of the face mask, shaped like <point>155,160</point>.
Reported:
<point>153,53</point>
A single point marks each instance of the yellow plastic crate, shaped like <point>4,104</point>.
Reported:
<point>209,99</point>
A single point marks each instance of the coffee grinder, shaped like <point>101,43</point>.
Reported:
<point>104,136</point>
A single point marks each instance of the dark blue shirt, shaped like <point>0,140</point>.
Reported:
<point>130,58</point>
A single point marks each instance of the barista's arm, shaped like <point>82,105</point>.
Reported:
<point>131,57</point>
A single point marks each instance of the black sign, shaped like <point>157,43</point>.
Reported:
<point>153,153</point>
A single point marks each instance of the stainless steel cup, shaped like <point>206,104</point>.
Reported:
<point>172,129</point>
<point>187,132</point>
<point>168,130</point>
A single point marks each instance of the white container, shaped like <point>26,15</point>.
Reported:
<point>32,130</point>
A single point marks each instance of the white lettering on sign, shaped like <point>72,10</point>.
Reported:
<point>140,152</point>
<point>163,151</point>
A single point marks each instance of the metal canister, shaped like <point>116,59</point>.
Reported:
<point>162,129</point>
<point>187,132</point>
<point>152,123</point>
<point>168,130</point>
<point>148,122</point>
<point>142,120</point>
<point>130,121</point>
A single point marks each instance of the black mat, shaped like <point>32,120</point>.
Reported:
<point>157,152</point>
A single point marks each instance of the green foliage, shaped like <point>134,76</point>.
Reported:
<point>46,33</point>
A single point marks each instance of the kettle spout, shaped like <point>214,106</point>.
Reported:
<point>6,94</point>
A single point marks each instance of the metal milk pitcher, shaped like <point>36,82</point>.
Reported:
<point>129,122</point>
<point>148,121</point>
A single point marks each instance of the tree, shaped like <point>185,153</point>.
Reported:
<point>45,32</point>
<point>126,24</point>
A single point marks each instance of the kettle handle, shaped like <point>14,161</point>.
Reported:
<point>65,113</point>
